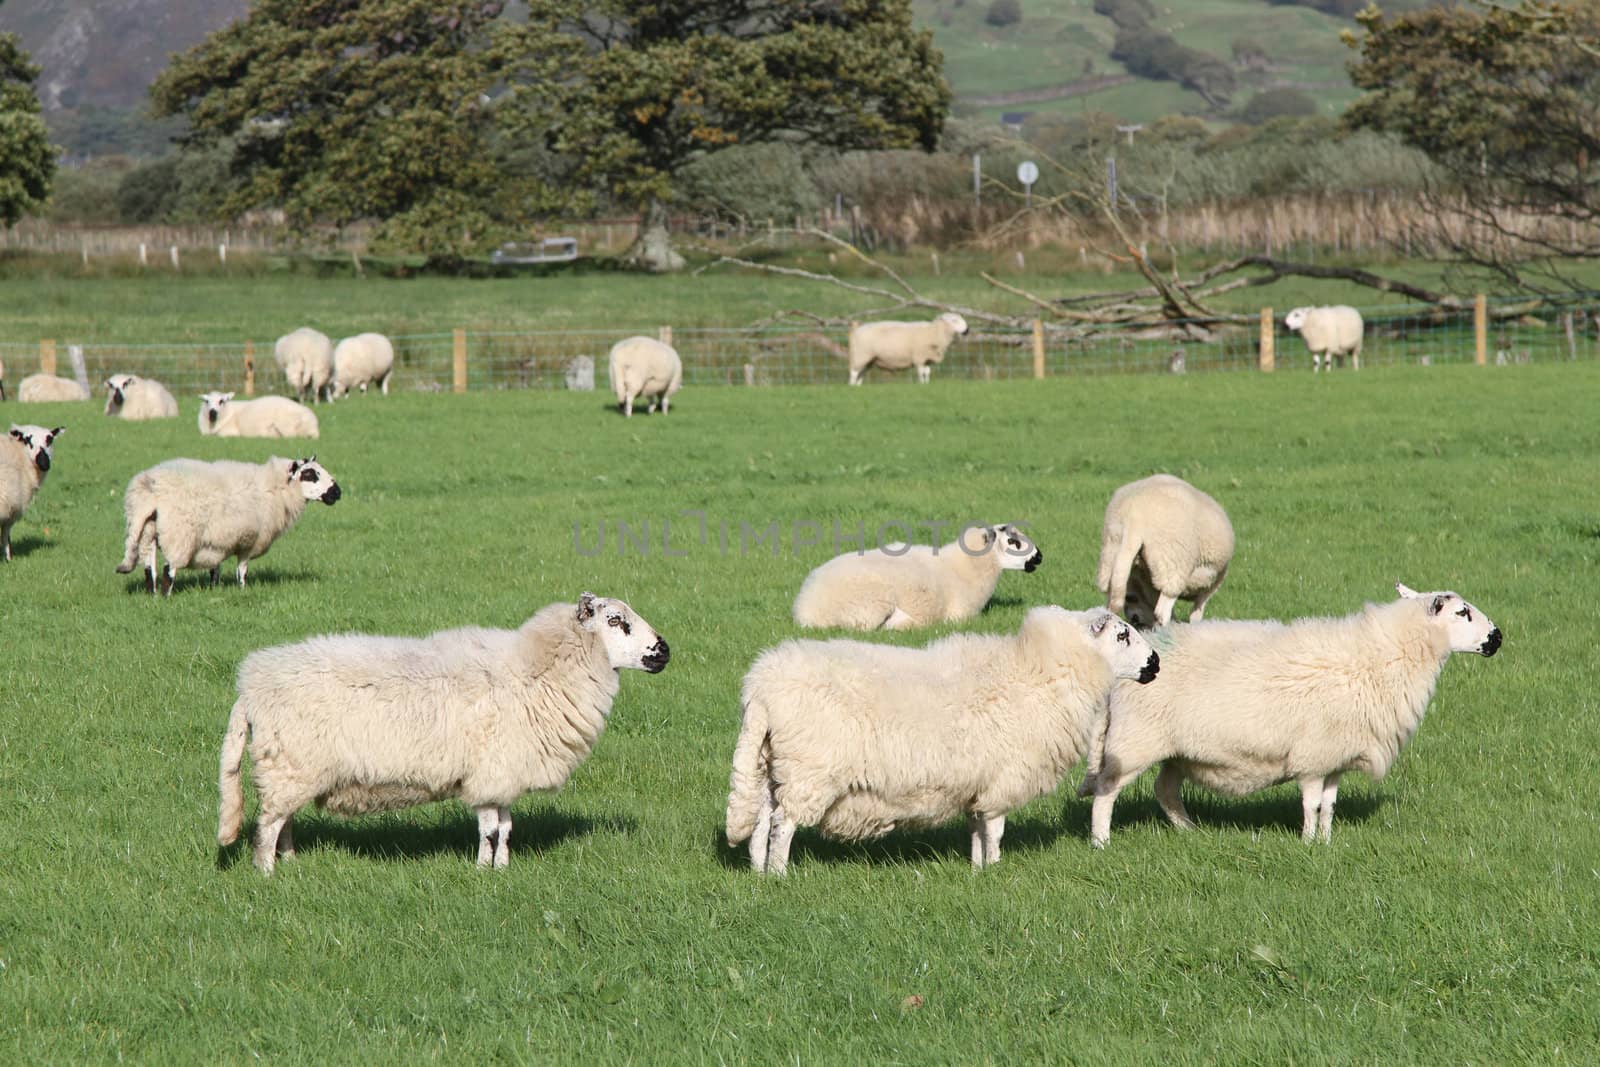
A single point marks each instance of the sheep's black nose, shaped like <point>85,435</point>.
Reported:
<point>1033,562</point>
<point>333,493</point>
<point>42,460</point>
<point>212,415</point>
<point>1152,667</point>
<point>655,660</point>
<point>1492,644</point>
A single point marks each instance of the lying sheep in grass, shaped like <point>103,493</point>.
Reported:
<point>1329,333</point>
<point>359,723</point>
<point>1247,705</point>
<point>267,416</point>
<point>128,397</point>
<point>856,738</point>
<point>643,366</point>
<point>199,514</point>
<point>306,358</point>
<point>24,461</point>
<point>361,360</point>
<point>898,345</point>
<point>48,389</point>
<point>900,586</point>
<point>1163,541</point>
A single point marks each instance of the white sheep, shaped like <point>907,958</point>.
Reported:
<point>900,586</point>
<point>267,416</point>
<point>1329,332</point>
<point>1247,705</point>
<point>1163,541</point>
<point>857,738</point>
<point>358,723</point>
<point>129,397</point>
<point>199,514</point>
<point>898,345</point>
<point>306,358</point>
<point>49,389</point>
<point>360,361</point>
<point>24,461</point>
<point>643,366</point>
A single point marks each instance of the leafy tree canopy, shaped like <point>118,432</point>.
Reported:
<point>27,158</point>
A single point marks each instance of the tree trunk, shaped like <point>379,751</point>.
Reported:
<point>652,249</point>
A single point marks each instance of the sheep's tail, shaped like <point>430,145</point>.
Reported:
<point>752,767</point>
<point>230,811</point>
<point>1116,583</point>
<point>141,511</point>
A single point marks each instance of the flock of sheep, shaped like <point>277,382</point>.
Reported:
<point>852,737</point>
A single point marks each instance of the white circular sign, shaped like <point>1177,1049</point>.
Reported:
<point>1027,172</point>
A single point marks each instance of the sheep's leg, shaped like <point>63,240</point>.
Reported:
<point>1330,793</point>
<point>166,579</point>
<point>1311,790</point>
<point>502,849</point>
<point>993,827</point>
<point>899,620</point>
<point>1200,602</point>
<point>215,574</point>
<point>761,838</point>
<point>267,831</point>
<point>855,376</point>
<point>488,833</point>
<point>244,565</point>
<point>5,542</point>
<point>976,825</point>
<point>627,408</point>
<point>384,383</point>
<point>651,408</point>
<point>286,839</point>
<point>1164,605</point>
<point>150,580</point>
<point>924,373</point>
<point>783,829</point>
<point>1169,795</point>
<point>665,403</point>
<point>1106,788</point>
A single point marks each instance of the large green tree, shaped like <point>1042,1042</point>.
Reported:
<point>1507,101</point>
<point>27,158</point>
<point>633,91</point>
<point>342,110</point>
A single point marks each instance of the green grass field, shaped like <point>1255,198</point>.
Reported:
<point>1451,920</point>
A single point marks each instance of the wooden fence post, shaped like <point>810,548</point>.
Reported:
<point>1038,348</point>
<point>459,351</point>
<point>249,368</point>
<point>1480,329</point>
<point>47,357</point>
<point>666,335</point>
<point>1268,357</point>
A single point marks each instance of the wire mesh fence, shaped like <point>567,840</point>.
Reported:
<point>817,354</point>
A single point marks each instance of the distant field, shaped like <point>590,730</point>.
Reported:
<point>1451,920</point>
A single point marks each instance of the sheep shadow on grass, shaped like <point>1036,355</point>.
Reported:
<point>25,546</point>
<point>197,582</point>
<point>1276,810</point>
<point>392,837</point>
<point>914,846</point>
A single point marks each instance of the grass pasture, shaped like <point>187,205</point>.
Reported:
<point>1452,919</point>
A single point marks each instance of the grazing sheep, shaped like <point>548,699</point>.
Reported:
<point>360,361</point>
<point>359,723</point>
<point>198,514</point>
<point>1329,333</point>
<point>643,366</point>
<point>306,358</point>
<point>900,586</point>
<point>48,389</point>
<point>267,416</point>
<point>1247,705</point>
<point>898,345</point>
<point>1163,541</point>
<point>128,397</point>
<point>856,738</point>
<point>24,462</point>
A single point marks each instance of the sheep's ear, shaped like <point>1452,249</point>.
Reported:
<point>1098,626</point>
<point>1438,604</point>
<point>227,396</point>
<point>585,607</point>
<point>1406,591</point>
<point>55,433</point>
<point>16,433</point>
<point>294,465</point>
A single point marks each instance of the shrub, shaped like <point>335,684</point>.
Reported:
<point>1276,104</point>
<point>1004,13</point>
<point>1126,14</point>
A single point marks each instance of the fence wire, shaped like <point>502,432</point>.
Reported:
<point>808,355</point>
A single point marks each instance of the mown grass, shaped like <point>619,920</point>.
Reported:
<point>1451,920</point>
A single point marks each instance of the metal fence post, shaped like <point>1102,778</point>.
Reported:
<point>1038,348</point>
<point>459,352</point>
<point>1268,358</point>
<point>1480,329</point>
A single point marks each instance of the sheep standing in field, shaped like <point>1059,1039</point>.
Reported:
<point>306,358</point>
<point>24,461</point>
<point>267,416</point>
<point>199,514</point>
<point>856,738</point>
<point>643,366</point>
<point>1247,705</point>
<point>898,345</point>
<point>128,397</point>
<point>359,723</point>
<point>360,361</point>
<point>1163,541</point>
<point>1329,333</point>
<point>901,586</point>
<point>49,389</point>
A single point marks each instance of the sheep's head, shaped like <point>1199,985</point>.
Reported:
<point>1296,318</point>
<point>116,385</point>
<point>212,405</point>
<point>314,481</point>
<point>37,440</point>
<point>1469,629</point>
<point>1017,551</point>
<point>1124,648</point>
<point>1139,606</point>
<point>958,325</point>
<point>628,640</point>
